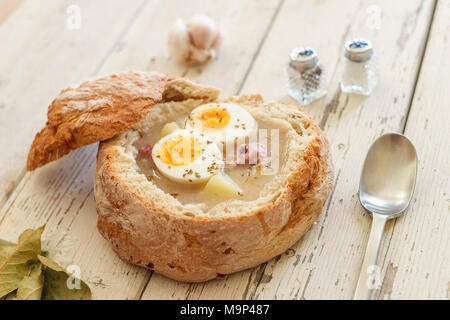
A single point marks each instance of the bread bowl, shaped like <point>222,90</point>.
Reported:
<point>188,239</point>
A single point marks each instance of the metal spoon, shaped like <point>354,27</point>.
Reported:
<point>386,187</point>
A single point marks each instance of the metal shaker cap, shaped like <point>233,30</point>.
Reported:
<point>303,58</point>
<point>359,50</point>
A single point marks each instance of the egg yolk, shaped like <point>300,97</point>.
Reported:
<point>211,118</point>
<point>179,151</point>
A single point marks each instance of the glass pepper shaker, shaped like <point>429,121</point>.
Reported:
<point>305,75</point>
<point>360,68</point>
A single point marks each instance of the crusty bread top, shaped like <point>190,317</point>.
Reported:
<point>179,89</point>
<point>93,111</point>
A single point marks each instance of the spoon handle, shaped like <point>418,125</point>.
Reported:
<point>369,278</point>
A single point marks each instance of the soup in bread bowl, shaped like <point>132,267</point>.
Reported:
<point>205,186</point>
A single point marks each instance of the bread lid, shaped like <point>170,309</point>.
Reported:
<point>93,111</point>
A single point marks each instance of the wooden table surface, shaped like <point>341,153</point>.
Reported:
<point>40,56</point>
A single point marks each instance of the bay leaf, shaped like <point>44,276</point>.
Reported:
<point>50,263</point>
<point>31,286</point>
<point>56,283</point>
<point>15,260</point>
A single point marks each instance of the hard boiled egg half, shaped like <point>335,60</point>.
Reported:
<point>187,157</point>
<point>223,122</point>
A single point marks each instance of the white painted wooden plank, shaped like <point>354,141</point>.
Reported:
<point>40,57</point>
<point>329,259</point>
<point>417,264</point>
<point>145,46</point>
<point>60,193</point>
<point>7,7</point>
<point>326,262</point>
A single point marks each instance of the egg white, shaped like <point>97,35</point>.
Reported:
<point>209,163</point>
<point>241,123</point>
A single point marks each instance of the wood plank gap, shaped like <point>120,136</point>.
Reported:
<point>144,287</point>
<point>334,103</point>
<point>102,62</point>
<point>260,270</point>
<point>419,69</point>
<point>258,50</point>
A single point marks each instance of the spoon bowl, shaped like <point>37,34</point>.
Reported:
<point>386,187</point>
<point>389,175</point>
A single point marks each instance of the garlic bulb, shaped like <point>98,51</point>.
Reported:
<point>195,41</point>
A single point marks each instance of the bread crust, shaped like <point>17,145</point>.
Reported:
<point>93,111</point>
<point>203,247</point>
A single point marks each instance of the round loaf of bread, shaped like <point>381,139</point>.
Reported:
<point>151,228</point>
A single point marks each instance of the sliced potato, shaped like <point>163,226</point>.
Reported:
<point>222,185</point>
<point>168,129</point>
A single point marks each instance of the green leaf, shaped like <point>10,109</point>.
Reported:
<point>50,263</point>
<point>30,288</point>
<point>58,284</point>
<point>15,260</point>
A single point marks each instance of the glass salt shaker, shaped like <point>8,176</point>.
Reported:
<point>360,68</point>
<point>305,75</point>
